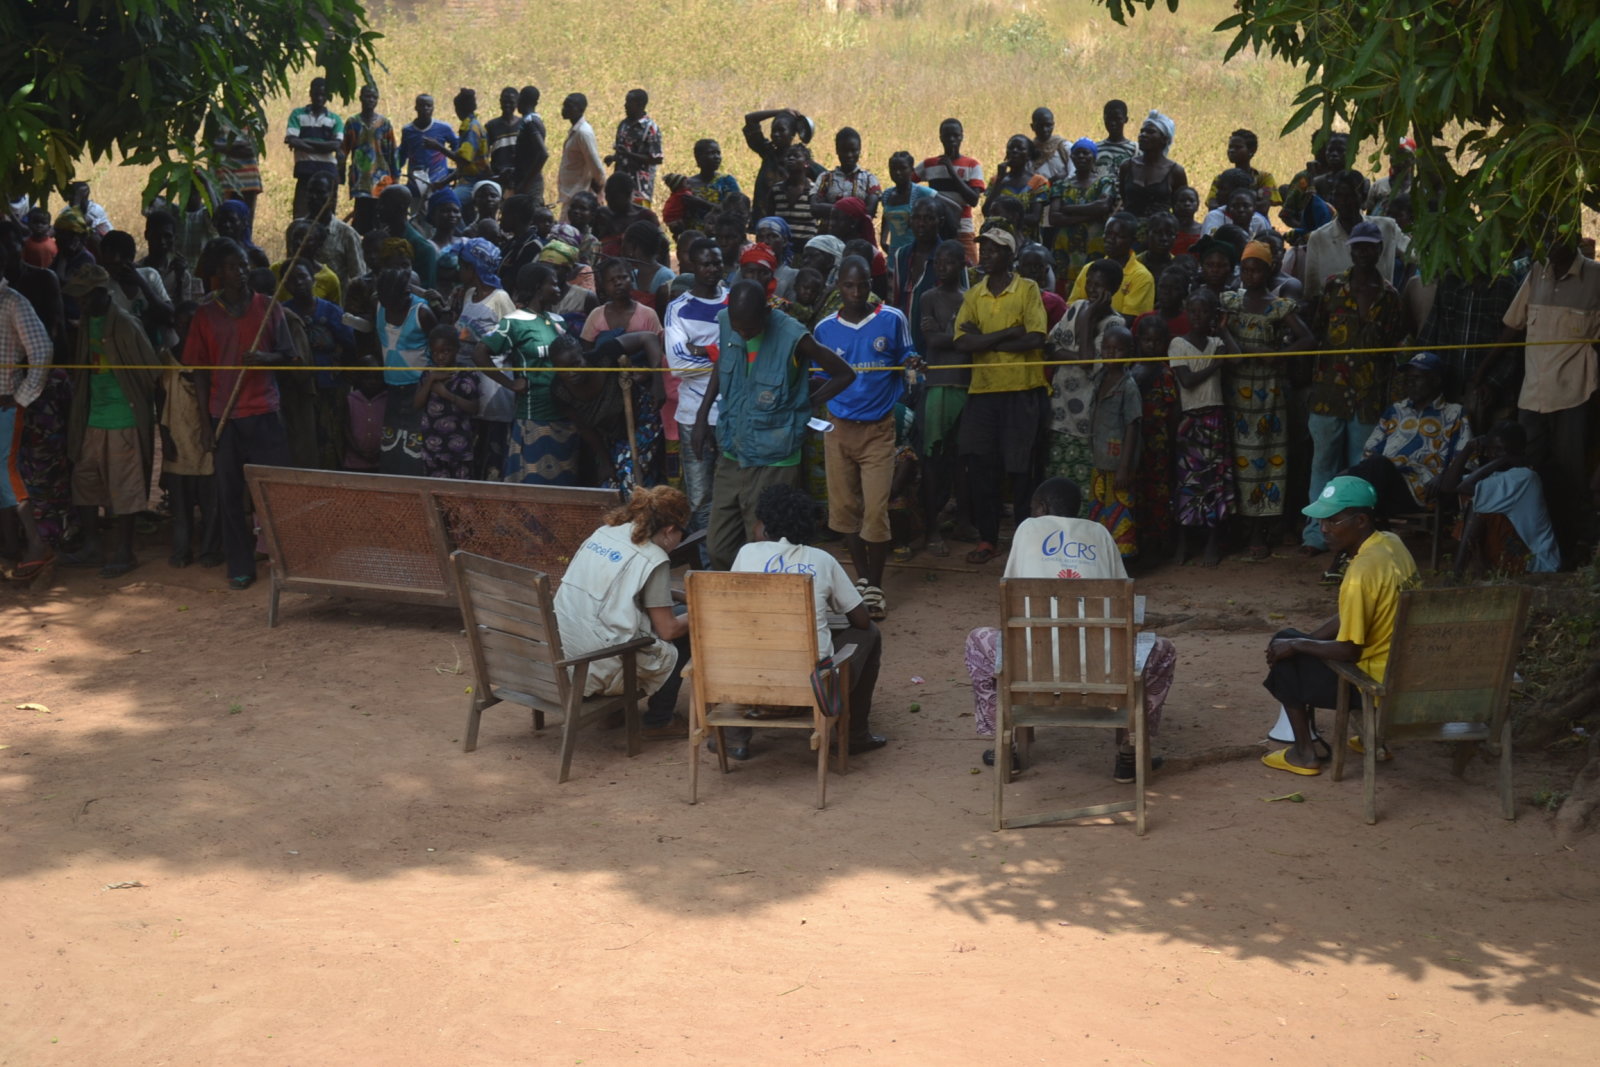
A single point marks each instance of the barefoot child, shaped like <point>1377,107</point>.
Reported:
<point>1114,439</point>
<point>1205,459</point>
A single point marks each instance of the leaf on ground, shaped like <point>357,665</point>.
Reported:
<point>1293,798</point>
<point>126,885</point>
<point>33,707</point>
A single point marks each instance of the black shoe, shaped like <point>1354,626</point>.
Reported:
<point>866,743</point>
<point>1016,759</point>
<point>1124,770</point>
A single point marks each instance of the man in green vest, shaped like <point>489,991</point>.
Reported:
<point>764,398</point>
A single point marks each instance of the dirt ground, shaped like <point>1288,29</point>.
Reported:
<point>327,878</point>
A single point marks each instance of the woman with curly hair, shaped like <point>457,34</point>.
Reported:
<point>617,588</point>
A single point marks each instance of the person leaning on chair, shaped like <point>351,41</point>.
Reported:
<point>1362,631</point>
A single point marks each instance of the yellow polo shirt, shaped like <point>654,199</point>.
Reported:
<point>1136,295</point>
<point>1001,372</point>
<point>1369,598</point>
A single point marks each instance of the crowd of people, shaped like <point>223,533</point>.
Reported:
<point>1197,357</point>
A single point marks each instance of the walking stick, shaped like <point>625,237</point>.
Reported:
<point>626,380</point>
<point>238,383</point>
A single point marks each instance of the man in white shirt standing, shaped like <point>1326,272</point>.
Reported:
<point>581,167</point>
<point>1052,543</point>
<point>689,336</point>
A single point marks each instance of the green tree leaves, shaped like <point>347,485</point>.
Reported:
<point>147,79</point>
<point>1501,98</point>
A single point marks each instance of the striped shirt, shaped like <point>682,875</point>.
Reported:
<point>21,334</point>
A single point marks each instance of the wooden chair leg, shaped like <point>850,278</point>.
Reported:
<point>1369,756</point>
<point>569,729</point>
<point>1508,804</point>
<point>722,748</point>
<point>697,731</point>
<point>842,727</point>
<point>1461,754</point>
<point>1341,730</point>
<point>1141,757</point>
<point>825,727</point>
<point>475,705</point>
<point>538,719</point>
<point>632,717</point>
<point>272,603</point>
<point>1002,766</point>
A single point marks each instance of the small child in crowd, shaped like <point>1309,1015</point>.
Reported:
<point>1114,438</point>
<point>1205,496</point>
<point>448,397</point>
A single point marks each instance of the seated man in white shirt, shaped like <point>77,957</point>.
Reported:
<point>1051,544</point>
<point>785,523</point>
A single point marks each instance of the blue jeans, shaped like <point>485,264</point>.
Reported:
<point>1336,446</point>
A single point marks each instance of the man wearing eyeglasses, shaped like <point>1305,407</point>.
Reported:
<point>1361,633</point>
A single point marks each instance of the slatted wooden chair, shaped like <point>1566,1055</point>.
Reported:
<point>517,657</point>
<point>755,643</point>
<point>1448,679</point>
<point>1068,659</point>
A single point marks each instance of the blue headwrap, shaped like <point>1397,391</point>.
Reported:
<point>484,258</point>
<point>782,226</point>
<point>446,195</point>
<point>1085,142</point>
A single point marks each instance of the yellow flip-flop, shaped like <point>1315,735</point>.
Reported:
<point>1384,755</point>
<point>1279,761</point>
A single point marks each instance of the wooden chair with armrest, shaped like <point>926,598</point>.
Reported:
<point>1448,678</point>
<point>516,655</point>
<point>755,643</point>
<point>1068,659</point>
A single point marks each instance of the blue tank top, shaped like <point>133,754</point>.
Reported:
<point>405,347</point>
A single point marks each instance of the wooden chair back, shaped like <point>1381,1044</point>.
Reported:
<point>1453,656</point>
<point>754,637</point>
<point>1068,644</point>
<point>512,631</point>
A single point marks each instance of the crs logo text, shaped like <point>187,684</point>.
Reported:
<point>778,565</point>
<point>1057,543</point>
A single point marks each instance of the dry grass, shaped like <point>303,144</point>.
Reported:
<point>892,76</point>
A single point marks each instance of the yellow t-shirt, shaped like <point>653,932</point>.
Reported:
<point>1369,597</point>
<point>1135,296</point>
<point>1018,302</point>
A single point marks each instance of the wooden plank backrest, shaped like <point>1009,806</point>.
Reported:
<point>754,637</point>
<point>1067,642</point>
<point>1453,654</point>
<point>384,532</point>
<point>511,627</point>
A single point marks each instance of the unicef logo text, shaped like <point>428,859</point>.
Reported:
<point>602,551</point>
<point>1057,543</point>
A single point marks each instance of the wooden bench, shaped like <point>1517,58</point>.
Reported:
<point>387,537</point>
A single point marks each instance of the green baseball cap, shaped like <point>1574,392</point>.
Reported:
<point>1341,493</point>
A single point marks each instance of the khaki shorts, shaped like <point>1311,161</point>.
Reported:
<point>860,459</point>
<point>110,472</point>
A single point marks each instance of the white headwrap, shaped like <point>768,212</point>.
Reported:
<point>1162,123</point>
<point>491,184</point>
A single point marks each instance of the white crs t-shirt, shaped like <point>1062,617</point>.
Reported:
<point>834,592</point>
<point>1053,547</point>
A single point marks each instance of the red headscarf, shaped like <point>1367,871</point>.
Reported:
<point>760,253</point>
<point>856,208</point>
